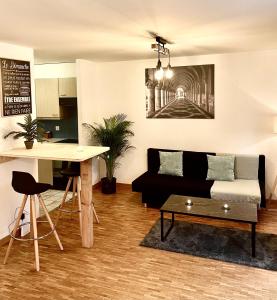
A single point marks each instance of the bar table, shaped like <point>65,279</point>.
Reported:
<point>67,152</point>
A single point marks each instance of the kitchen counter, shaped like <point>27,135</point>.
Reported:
<point>56,151</point>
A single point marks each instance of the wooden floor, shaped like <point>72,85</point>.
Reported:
<point>118,268</point>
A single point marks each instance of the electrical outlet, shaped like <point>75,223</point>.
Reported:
<point>57,128</point>
<point>25,228</point>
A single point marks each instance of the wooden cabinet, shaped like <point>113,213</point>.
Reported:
<point>47,98</point>
<point>45,171</point>
<point>48,92</point>
<point>67,87</point>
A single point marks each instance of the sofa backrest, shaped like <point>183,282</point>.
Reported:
<point>195,164</point>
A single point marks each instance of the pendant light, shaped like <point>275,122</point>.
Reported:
<point>169,72</point>
<point>159,73</point>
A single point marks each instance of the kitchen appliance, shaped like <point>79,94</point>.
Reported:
<point>48,134</point>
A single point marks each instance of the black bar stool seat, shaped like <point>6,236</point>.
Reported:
<point>72,171</point>
<point>24,183</point>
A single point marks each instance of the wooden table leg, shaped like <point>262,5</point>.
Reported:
<point>86,196</point>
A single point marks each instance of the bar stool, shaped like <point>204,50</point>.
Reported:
<point>24,183</point>
<point>73,174</point>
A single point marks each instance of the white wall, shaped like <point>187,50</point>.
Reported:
<point>9,199</point>
<point>62,70</point>
<point>245,102</point>
<point>88,107</point>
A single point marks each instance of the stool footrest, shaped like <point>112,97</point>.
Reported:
<point>32,239</point>
<point>69,210</point>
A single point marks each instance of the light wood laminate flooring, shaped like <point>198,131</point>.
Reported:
<point>118,268</point>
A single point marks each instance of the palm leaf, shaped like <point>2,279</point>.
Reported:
<point>31,130</point>
<point>115,133</point>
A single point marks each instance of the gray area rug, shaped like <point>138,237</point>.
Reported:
<point>230,245</point>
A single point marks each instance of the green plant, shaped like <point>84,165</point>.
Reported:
<point>31,130</point>
<point>115,133</point>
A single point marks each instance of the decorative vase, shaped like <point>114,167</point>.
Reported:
<point>29,144</point>
<point>107,186</point>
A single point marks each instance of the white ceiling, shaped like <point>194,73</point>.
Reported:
<point>63,30</point>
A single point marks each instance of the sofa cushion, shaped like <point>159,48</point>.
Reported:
<point>153,159</point>
<point>221,167</point>
<point>195,164</point>
<point>239,190</point>
<point>171,163</point>
<point>149,182</point>
<point>246,166</point>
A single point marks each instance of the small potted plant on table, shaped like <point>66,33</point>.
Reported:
<point>31,131</point>
<point>115,133</point>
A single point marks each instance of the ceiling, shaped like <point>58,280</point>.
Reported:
<point>107,30</point>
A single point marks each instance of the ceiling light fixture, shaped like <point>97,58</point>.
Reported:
<point>159,73</point>
<point>161,49</point>
<point>169,72</point>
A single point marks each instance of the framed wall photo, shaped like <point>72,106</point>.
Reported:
<point>15,87</point>
<point>189,94</point>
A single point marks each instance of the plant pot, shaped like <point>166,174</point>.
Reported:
<point>107,186</point>
<point>29,144</point>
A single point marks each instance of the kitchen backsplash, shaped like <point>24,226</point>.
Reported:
<point>68,128</point>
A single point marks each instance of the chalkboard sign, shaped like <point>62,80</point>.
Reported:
<point>15,89</point>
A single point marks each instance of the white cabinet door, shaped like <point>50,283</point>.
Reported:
<point>67,87</point>
<point>47,98</point>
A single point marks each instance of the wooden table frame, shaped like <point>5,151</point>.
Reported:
<point>67,152</point>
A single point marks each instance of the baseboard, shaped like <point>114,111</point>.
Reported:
<point>4,240</point>
<point>118,185</point>
<point>123,185</point>
<point>97,185</point>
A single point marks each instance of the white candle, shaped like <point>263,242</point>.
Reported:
<point>189,202</point>
<point>226,206</point>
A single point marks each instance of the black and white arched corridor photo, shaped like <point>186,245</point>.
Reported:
<point>189,94</point>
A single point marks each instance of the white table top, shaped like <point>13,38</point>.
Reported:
<point>56,151</point>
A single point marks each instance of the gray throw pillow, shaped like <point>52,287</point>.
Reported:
<point>221,167</point>
<point>171,163</point>
<point>247,166</point>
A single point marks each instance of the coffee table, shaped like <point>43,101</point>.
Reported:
<point>209,208</point>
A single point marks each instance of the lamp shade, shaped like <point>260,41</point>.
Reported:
<point>275,124</point>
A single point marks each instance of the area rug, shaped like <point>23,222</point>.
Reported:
<point>229,245</point>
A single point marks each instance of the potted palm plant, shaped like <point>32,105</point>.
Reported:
<point>115,133</point>
<point>31,131</point>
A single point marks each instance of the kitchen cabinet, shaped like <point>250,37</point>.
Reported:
<point>45,171</point>
<point>67,87</point>
<point>48,92</point>
<point>47,98</point>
